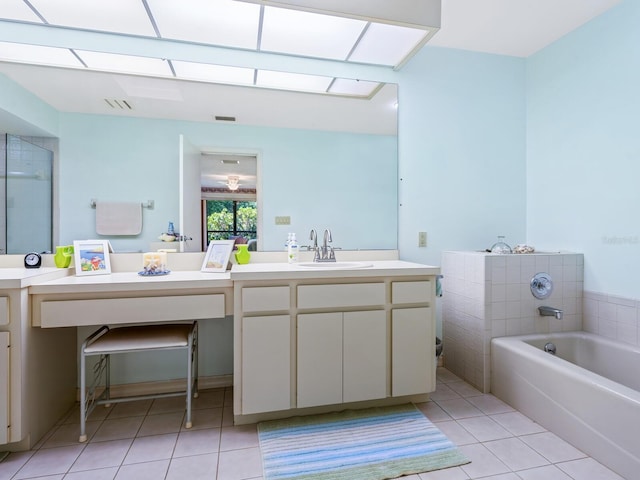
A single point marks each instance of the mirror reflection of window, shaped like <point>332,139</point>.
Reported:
<point>230,208</point>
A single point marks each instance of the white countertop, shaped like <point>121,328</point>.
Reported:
<point>127,281</point>
<point>281,271</point>
<point>20,277</point>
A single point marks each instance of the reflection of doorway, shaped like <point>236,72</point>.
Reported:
<point>26,197</point>
<point>228,184</point>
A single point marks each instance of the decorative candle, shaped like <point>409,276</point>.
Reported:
<point>154,262</point>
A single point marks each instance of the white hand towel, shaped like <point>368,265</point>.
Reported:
<point>118,218</point>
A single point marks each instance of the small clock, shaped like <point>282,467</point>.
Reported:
<point>32,260</point>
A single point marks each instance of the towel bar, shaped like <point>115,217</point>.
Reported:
<point>150,204</point>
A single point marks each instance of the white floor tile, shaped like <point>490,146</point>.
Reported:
<point>464,389</point>
<point>101,474</point>
<point>206,418</point>
<point>129,409</point>
<point>459,408</point>
<point>242,436</point>
<point>516,454</point>
<point>14,462</point>
<point>240,464</point>
<point>552,447</point>
<point>161,423</point>
<point>443,392</point>
<point>587,469</point>
<point>483,462</point>
<point>118,429</point>
<point>518,424</point>
<point>490,405</point>
<point>68,434</point>
<point>433,411</point>
<point>149,449</point>
<point>50,461</point>
<point>200,467</point>
<point>548,472</point>
<point>102,454</point>
<point>197,442</point>
<point>143,471</point>
<point>455,473</point>
<point>484,428</point>
<point>456,433</point>
<point>209,399</point>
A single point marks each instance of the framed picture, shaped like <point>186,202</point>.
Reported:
<point>217,257</point>
<point>92,257</point>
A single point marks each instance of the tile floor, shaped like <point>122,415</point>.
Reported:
<point>147,440</point>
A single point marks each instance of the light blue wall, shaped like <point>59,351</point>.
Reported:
<point>583,149</point>
<point>462,152</point>
<point>320,179</point>
<point>22,108</point>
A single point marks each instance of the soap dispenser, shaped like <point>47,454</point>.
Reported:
<point>293,249</point>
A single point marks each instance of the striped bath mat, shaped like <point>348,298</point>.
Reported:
<point>370,444</point>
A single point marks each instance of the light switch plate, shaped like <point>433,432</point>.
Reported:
<point>422,239</point>
<point>286,220</point>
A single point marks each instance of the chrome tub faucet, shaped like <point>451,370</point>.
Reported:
<point>550,312</point>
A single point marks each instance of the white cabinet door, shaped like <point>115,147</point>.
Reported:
<point>319,359</point>
<point>364,356</point>
<point>266,363</point>
<point>412,351</point>
<point>5,393</point>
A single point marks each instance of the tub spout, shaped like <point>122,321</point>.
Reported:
<point>550,312</point>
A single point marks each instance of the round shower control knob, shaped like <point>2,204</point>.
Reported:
<point>541,285</point>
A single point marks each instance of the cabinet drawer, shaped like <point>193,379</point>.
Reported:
<point>64,313</point>
<point>345,295</point>
<point>265,299</point>
<point>4,311</point>
<point>410,292</point>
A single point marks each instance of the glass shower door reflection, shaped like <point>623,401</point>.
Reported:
<point>28,197</point>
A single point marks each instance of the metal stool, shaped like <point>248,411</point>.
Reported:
<point>106,342</point>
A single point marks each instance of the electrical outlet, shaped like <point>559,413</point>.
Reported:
<point>283,220</point>
<point>422,239</point>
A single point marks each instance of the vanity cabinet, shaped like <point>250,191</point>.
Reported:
<point>310,343</point>
<point>341,357</point>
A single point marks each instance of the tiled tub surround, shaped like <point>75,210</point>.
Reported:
<point>612,317</point>
<point>488,295</point>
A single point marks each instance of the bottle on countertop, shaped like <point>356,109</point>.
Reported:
<point>293,249</point>
<point>286,244</point>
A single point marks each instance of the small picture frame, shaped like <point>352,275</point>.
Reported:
<point>217,257</point>
<point>92,257</point>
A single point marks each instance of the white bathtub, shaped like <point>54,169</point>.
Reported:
<point>588,394</point>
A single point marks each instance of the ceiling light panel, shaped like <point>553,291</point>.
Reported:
<point>121,16</point>
<point>112,62</point>
<point>384,44</point>
<point>309,34</point>
<point>59,57</point>
<point>18,10</point>
<point>292,81</point>
<point>218,22</point>
<point>204,72</point>
<point>348,86</point>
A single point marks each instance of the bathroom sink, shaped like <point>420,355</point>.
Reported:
<point>334,265</point>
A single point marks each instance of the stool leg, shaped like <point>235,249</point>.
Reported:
<point>107,380</point>
<point>195,362</point>
<point>83,398</point>
<point>188,423</point>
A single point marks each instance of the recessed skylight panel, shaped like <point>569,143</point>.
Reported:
<point>384,44</point>
<point>18,10</point>
<point>59,57</point>
<point>349,86</point>
<point>309,34</point>
<point>203,72</point>
<point>292,81</point>
<point>112,62</point>
<point>218,22</point>
<point>121,16</point>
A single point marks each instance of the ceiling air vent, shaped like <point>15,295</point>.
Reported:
<point>222,118</point>
<point>118,104</point>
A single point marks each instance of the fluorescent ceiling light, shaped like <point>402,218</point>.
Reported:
<point>18,10</point>
<point>121,16</point>
<point>387,44</point>
<point>112,62</point>
<point>348,86</point>
<point>309,34</point>
<point>219,22</point>
<point>204,72</point>
<point>292,81</point>
<point>59,57</point>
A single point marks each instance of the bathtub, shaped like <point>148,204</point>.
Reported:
<point>588,394</point>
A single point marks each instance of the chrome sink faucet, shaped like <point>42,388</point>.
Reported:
<point>313,236</point>
<point>550,312</point>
